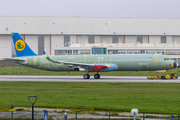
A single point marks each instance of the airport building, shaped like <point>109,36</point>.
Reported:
<point>83,35</point>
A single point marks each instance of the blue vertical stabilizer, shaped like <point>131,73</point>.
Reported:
<point>21,48</point>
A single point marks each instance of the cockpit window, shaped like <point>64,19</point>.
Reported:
<point>167,59</point>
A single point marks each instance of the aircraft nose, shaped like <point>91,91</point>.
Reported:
<point>175,64</point>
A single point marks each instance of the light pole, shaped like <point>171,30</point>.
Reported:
<point>32,104</point>
<point>134,112</point>
<point>65,115</point>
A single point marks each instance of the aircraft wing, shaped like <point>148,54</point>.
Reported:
<point>87,67</point>
<point>70,63</point>
<point>16,60</point>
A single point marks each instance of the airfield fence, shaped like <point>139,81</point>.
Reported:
<point>84,116</point>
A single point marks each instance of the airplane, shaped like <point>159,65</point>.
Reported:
<point>89,63</point>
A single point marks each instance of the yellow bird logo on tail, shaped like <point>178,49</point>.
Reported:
<point>20,45</point>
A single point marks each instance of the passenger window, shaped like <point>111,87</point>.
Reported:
<point>167,58</point>
<point>164,58</point>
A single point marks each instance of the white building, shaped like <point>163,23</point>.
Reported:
<point>78,35</point>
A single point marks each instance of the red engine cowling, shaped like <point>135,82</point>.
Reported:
<point>98,68</point>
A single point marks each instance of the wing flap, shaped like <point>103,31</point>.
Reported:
<point>69,63</point>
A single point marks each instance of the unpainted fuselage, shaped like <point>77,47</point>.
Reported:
<point>118,62</point>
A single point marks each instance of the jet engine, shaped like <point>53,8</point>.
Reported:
<point>80,69</point>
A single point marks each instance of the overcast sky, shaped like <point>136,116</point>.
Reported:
<point>92,8</point>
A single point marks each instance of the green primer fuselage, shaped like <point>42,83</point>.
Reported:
<point>124,62</point>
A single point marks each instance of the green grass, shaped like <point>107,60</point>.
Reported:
<point>68,119</point>
<point>31,71</point>
<point>122,97</point>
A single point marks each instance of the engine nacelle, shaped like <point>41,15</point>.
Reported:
<point>110,67</point>
<point>80,69</point>
<point>70,66</point>
<point>104,67</point>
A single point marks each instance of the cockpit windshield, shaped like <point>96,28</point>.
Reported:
<point>166,59</point>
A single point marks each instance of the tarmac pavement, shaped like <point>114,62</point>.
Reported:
<point>51,78</point>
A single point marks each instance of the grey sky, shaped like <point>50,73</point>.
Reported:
<point>92,8</point>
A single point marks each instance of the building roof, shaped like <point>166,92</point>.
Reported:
<point>88,26</point>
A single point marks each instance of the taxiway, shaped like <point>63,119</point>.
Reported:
<point>80,79</point>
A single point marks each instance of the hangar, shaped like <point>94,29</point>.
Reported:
<point>83,35</point>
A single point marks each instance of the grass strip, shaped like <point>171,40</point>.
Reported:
<point>31,71</point>
<point>122,97</point>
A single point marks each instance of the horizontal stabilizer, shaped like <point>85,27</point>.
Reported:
<point>16,60</point>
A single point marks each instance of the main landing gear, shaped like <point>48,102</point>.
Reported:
<point>87,76</point>
<point>96,76</point>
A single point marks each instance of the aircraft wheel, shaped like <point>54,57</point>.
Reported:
<point>96,76</point>
<point>86,76</point>
<point>162,77</point>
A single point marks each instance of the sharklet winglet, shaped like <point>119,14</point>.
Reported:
<point>44,52</point>
<point>48,58</point>
<point>46,55</point>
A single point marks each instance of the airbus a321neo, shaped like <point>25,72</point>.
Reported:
<point>89,63</point>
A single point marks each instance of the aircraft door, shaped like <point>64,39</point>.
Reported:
<point>156,59</point>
